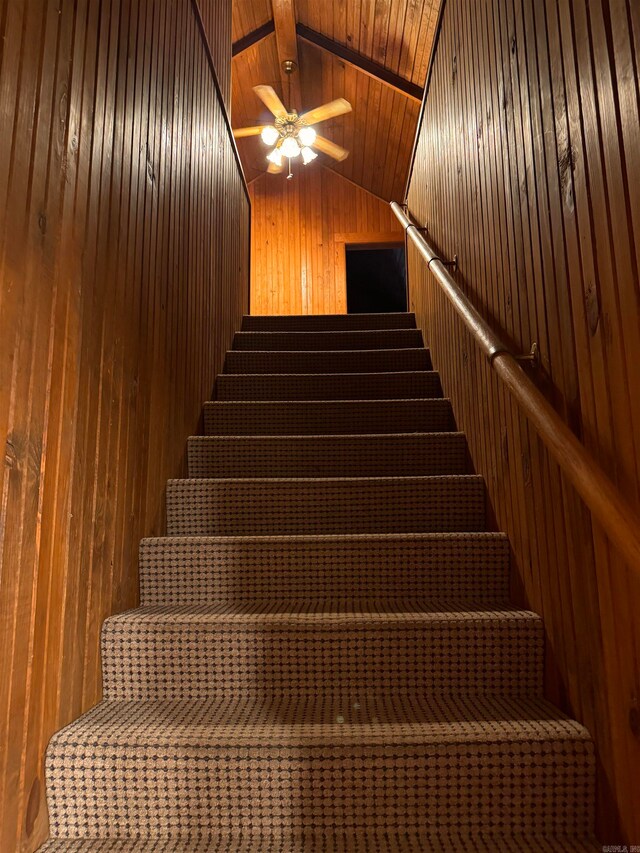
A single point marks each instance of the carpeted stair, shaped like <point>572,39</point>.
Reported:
<point>325,658</point>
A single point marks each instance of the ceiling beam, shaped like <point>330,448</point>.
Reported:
<point>362,63</point>
<point>252,38</point>
<point>284,18</point>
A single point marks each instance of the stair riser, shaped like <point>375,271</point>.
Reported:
<point>333,418</point>
<point>328,456</point>
<point>354,361</point>
<point>290,507</point>
<point>393,339</point>
<point>166,660</point>
<point>513,786</point>
<point>345,386</point>
<point>200,571</point>
<point>327,322</point>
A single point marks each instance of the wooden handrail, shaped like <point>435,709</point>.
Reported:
<point>612,511</point>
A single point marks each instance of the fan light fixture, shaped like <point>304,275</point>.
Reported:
<point>293,135</point>
<point>275,157</point>
<point>308,155</point>
<point>269,135</point>
<point>307,135</point>
<point>290,147</point>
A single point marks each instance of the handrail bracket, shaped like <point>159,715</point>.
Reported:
<point>532,358</point>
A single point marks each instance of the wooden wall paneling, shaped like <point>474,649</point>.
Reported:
<point>218,19</point>
<point>118,189</point>
<point>523,169</point>
<point>617,256</point>
<point>299,231</point>
<point>560,331</point>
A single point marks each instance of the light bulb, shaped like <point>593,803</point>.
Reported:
<point>307,135</point>
<point>308,154</point>
<point>275,157</point>
<point>269,134</point>
<point>290,147</point>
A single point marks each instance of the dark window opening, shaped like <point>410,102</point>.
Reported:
<point>376,280</point>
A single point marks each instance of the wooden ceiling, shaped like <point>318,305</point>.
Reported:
<point>374,53</point>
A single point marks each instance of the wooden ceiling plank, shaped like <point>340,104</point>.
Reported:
<point>381,31</point>
<point>257,64</point>
<point>378,136</point>
<point>422,49</point>
<point>367,26</point>
<point>398,168</point>
<point>352,23</point>
<point>408,47</point>
<point>362,63</point>
<point>397,19</point>
<point>249,15</point>
<point>252,38</point>
<point>284,18</point>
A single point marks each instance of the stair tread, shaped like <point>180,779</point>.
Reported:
<point>376,454</point>
<point>275,722</point>
<point>326,375</point>
<point>339,841</point>
<point>200,569</point>
<point>193,652</point>
<point>328,386</point>
<point>281,506</point>
<point>301,538</point>
<point>347,612</point>
<point>330,340</point>
<point>302,334</point>
<point>356,314</point>
<point>296,417</point>
<point>309,322</point>
<point>366,400</point>
<point>452,435</point>
<point>199,482</point>
<point>326,361</point>
<point>268,505</point>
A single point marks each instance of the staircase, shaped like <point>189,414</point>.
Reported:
<point>325,657</point>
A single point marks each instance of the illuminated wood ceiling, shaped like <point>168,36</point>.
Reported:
<point>374,53</point>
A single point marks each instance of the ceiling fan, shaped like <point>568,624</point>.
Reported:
<point>293,135</point>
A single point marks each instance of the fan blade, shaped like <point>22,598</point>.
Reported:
<point>330,148</point>
<point>271,101</point>
<point>334,108</point>
<point>274,170</point>
<point>241,132</point>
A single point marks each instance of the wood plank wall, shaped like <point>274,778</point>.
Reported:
<point>118,193</point>
<point>527,168</point>
<point>297,239</point>
<point>216,18</point>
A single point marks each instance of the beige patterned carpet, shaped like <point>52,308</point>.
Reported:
<point>325,657</point>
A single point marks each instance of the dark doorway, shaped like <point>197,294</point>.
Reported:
<point>376,280</point>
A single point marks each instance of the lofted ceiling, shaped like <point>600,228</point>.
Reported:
<point>374,53</point>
